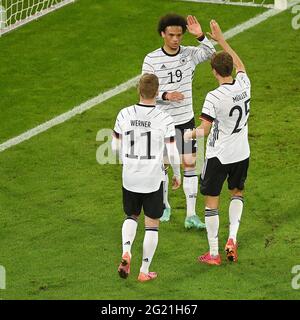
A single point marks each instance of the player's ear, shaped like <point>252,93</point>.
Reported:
<point>163,35</point>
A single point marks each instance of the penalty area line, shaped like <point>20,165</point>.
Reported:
<point>69,114</point>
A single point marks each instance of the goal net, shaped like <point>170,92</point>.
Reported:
<point>15,13</point>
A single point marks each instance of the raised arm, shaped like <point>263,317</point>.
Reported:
<point>194,26</point>
<point>206,48</point>
<point>217,35</point>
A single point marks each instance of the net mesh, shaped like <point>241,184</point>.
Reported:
<point>18,12</point>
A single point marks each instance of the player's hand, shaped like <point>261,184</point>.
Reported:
<point>216,32</point>
<point>176,182</point>
<point>174,96</point>
<point>188,135</point>
<point>194,26</point>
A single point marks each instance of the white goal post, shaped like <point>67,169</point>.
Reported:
<point>16,13</point>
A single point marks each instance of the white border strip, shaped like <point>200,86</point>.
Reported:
<point>35,16</point>
<point>251,23</point>
<point>244,4</point>
<point>123,87</point>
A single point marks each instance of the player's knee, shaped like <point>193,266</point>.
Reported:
<point>211,202</point>
<point>133,217</point>
<point>150,222</point>
<point>187,166</point>
<point>189,162</point>
<point>236,193</point>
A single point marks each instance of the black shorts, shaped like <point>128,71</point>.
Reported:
<point>214,174</point>
<point>152,203</point>
<point>185,147</point>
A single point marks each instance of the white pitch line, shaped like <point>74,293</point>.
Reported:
<point>69,114</point>
<point>123,87</point>
<point>244,4</point>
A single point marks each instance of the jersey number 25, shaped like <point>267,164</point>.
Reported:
<point>240,110</point>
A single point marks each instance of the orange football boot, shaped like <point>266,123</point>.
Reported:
<point>124,267</point>
<point>231,250</point>
<point>143,277</point>
<point>208,259</point>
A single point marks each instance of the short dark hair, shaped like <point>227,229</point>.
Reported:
<point>222,62</point>
<point>148,86</point>
<point>171,19</point>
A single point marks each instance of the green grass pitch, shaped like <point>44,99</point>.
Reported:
<point>61,212</point>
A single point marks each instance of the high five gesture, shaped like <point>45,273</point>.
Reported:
<point>194,26</point>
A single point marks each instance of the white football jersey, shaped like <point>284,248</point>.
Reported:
<point>228,107</point>
<point>175,73</point>
<point>143,130</point>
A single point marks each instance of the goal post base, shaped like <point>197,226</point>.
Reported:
<point>280,4</point>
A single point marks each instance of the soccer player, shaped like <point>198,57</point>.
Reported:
<point>174,66</point>
<point>224,116</point>
<point>141,132</point>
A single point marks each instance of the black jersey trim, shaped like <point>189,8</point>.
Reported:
<point>169,54</point>
<point>206,117</point>
<point>201,38</point>
<point>146,105</point>
<point>232,83</point>
<point>116,134</point>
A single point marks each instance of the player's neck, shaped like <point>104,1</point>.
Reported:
<point>148,102</point>
<point>225,80</point>
<point>170,51</point>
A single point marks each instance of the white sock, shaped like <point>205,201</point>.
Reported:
<point>190,188</point>
<point>235,213</point>
<point>212,227</point>
<point>149,247</point>
<point>166,190</point>
<point>128,234</point>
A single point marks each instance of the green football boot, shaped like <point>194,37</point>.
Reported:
<point>193,222</point>
<point>166,215</point>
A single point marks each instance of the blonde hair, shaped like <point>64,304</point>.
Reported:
<point>148,86</point>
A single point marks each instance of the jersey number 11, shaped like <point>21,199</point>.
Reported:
<point>131,155</point>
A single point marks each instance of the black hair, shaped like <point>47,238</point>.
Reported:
<point>171,19</point>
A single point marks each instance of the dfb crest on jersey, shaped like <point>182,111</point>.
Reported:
<point>183,60</point>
